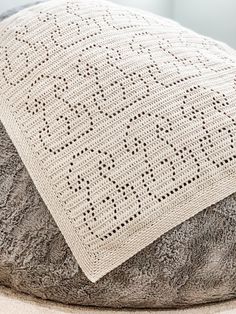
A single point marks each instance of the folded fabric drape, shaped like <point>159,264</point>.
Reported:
<point>126,122</point>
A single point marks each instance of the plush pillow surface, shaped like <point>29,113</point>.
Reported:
<point>191,264</point>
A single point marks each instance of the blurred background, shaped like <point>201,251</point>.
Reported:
<point>215,18</point>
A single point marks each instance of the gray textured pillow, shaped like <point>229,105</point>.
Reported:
<point>193,263</point>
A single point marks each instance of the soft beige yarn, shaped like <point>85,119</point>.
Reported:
<point>126,122</point>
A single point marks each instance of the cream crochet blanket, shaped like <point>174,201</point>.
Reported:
<point>126,122</point>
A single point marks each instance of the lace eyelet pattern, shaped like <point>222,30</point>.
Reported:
<point>125,120</point>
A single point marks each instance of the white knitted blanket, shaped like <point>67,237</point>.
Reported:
<point>126,122</point>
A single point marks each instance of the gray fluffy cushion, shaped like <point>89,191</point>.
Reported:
<point>191,264</point>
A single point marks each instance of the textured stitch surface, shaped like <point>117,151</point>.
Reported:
<point>40,262</point>
<point>125,121</point>
<point>192,264</point>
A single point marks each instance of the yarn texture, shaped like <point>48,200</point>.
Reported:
<point>126,122</point>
